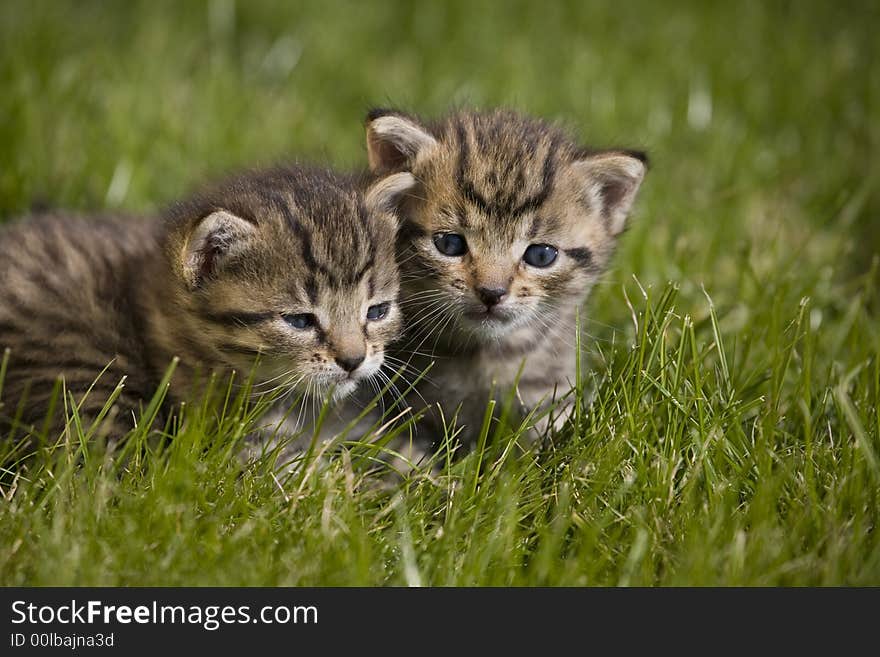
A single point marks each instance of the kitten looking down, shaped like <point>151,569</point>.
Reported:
<point>510,225</point>
<point>291,268</point>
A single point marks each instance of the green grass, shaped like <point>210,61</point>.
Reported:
<point>733,434</point>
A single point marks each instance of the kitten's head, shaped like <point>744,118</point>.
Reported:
<point>510,219</point>
<point>293,265</point>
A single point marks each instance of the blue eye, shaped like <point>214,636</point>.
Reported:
<point>450,244</point>
<point>379,311</point>
<point>301,321</point>
<point>540,255</point>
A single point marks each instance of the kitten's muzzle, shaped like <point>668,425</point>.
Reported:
<point>497,314</point>
<point>491,296</point>
<point>350,363</point>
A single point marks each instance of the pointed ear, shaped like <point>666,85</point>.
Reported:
<point>214,239</point>
<point>394,141</point>
<point>611,180</point>
<point>387,194</point>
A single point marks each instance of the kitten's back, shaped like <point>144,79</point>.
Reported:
<point>65,307</point>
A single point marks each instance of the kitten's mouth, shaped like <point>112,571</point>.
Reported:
<point>487,316</point>
<point>489,322</point>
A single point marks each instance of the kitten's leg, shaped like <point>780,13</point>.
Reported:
<point>284,433</point>
<point>553,404</point>
<point>290,433</point>
<point>405,455</point>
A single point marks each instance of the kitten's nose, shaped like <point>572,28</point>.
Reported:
<point>491,296</point>
<point>349,363</point>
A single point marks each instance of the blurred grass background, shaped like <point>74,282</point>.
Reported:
<point>760,117</point>
<point>762,120</point>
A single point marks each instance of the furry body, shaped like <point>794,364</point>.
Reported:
<point>282,269</point>
<point>509,227</point>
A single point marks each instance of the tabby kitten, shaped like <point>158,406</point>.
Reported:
<point>292,269</point>
<point>509,227</point>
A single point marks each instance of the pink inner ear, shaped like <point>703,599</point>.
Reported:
<point>613,192</point>
<point>207,258</point>
<point>384,155</point>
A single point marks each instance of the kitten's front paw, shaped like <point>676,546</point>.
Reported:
<point>551,423</point>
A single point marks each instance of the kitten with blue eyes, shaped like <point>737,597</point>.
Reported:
<point>509,227</point>
<point>287,274</point>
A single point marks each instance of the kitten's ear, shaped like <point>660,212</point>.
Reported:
<point>386,194</point>
<point>394,140</point>
<point>611,180</point>
<point>214,239</point>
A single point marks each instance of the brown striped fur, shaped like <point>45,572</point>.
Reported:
<point>503,182</point>
<point>215,283</point>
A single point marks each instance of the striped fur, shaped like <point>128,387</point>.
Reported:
<point>502,182</point>
<point>215,282</point>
